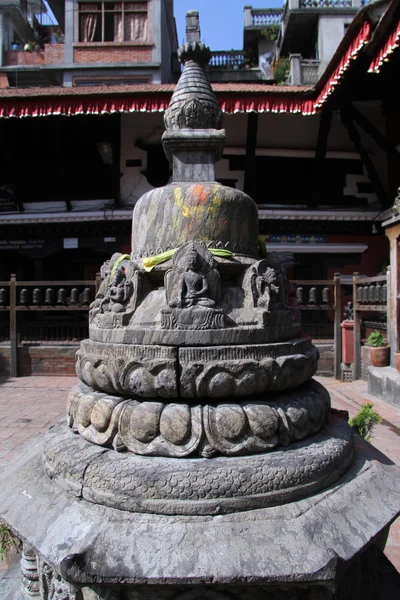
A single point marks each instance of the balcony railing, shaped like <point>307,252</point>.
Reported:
<point>309,71</point>
<point>262,17</point>
<point>227,59</point>
<point>315,4</point>
<point>303,71</point>
<point>266,16</point>
<point>326,3</point>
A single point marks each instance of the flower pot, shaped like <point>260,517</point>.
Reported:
<point>397,361</point>
<point>380,357</point>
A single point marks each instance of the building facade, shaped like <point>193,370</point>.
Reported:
<point>81,43</point>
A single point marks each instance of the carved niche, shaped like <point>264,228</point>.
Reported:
<point>120,292</point>
<point>264,286</point>
<point>192,288</point>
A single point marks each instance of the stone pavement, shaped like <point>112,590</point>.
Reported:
<point>30,405</point>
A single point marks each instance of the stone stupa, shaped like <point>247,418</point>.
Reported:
<point>200,459</point>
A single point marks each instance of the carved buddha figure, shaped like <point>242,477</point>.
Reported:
<point>118,292</point>
<point>193,285</point>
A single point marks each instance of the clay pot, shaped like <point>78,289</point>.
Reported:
<point>380,357</point>
<point>397,361</point>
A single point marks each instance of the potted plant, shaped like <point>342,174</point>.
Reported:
<point>379,351</point>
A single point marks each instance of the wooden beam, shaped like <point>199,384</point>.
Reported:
<point>369,165</point>
<point>337,328</point>
<point>320,153</point>
<point>251,143</point>
<point>371,130</point>
<point>13,328</point>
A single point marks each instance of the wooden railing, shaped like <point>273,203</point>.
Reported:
<point>318,297</point>
<point>323,295</point>
<point>19,297</point>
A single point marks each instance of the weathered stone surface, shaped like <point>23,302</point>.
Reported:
<point>257,424</point>
<point>198,486</point>
<point>222,217</point>
<point>131,307</point>
<point>362,580</point>
<point>384,382</point>
<point>144,335</point>
<point>145,371</point>
<point>226,371</point>
<point>215,372</point>
<point>311,538</point>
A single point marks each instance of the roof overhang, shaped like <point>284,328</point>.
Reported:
<point>124,214</point>
<point>374,32</point>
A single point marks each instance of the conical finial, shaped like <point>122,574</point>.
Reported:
<point>193,104</point>
<point>194,117</point>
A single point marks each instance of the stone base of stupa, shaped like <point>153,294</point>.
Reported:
<point>79,548</point>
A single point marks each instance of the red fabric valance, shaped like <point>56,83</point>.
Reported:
<point>382,55</point>
<point>43,107</point>
<point>260,104</point>
<point>351,53</point>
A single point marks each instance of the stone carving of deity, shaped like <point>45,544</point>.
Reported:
<point>193,285</point>
<point>118,293</point>
<point>192,288</point>
<point>267,291</point>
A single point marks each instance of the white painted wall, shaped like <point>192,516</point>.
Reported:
<point>281,134</point>
<point>148,128</point>
<point>331,29</point>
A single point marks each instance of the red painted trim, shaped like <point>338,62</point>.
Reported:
<point>89,106</point>
<point>382,56</point>
<point>351,53</point>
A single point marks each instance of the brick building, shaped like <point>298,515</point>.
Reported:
<point>78,42</point>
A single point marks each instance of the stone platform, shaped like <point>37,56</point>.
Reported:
<point>384,382</point>
<point>309,540</point>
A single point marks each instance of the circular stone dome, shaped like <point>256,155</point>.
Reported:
<point>221,217</point>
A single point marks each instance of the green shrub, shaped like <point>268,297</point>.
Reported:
<point>365,420</point>
<point>376,339</point>
<point>7,541</point>
<point>281,70</point>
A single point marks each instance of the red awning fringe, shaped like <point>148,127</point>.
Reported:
<point>81,106</point>
<point>382,56</point>
<point>231,104</point>
<point>266,104</point>
<point>352,52</point>
<point>87,106</point>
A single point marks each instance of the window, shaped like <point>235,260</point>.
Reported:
<point>112,21</point>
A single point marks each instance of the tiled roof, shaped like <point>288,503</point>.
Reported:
<point>162,88</point>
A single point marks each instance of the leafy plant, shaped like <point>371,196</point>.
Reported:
<point>281,70</point>
<point>365,420</point>
<point>376,339</point>
<point>271,33</point>
<point>8,541</point>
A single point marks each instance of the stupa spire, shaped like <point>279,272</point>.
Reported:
<point>194,117</point>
